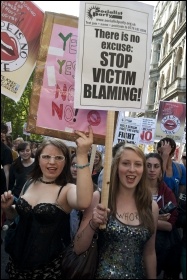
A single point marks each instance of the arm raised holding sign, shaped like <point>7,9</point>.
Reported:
<point>43,230</point>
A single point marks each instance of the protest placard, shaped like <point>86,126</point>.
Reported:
<point>21,25</point>
<point>114,51</point>
<point>52,110</point>
<point>127,129</point>
<point>170,120</point>
<point>110,72</point>
<point>147,131</point>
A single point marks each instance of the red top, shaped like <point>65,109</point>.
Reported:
<point>165,194</point>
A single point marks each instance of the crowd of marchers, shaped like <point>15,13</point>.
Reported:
<point>56,198</point>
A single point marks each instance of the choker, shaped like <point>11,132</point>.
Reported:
<point>46,182</point>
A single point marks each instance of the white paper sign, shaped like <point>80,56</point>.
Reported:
<point>127,129</point>
<point>9,124</point>
<point>147,131</point>
<point>114,44</point>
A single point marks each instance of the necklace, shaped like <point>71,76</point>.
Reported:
<point>46,182</point>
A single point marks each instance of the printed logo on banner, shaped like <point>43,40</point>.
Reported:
<point>170,124</point>
<point>170,120</point>
<point>21,25</point>
<point>14,47</point>
<point>96,11</point>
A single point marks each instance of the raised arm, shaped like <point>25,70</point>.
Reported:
<point>82,196</point>
<point>165,151</point>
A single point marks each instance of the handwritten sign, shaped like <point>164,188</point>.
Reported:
<point>55,114</point>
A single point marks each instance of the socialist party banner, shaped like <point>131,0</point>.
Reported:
<point>114,43</point>
<point>21,24</point>
<point>52,111</point>
<point>170,120</point>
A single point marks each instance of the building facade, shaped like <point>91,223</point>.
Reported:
<point>167,80</point>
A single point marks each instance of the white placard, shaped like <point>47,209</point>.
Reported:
<point>127,129</point>
<point>114,43</point>
<point>9,124</point>
<point>147,131</point>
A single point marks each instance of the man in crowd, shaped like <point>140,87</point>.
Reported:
<point>6,160</point>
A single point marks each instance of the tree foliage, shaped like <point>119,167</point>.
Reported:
<point>17,113</point>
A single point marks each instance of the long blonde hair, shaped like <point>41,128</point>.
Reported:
<point>143,197</point>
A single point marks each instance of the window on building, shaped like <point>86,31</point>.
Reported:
<point>168,76</point>
<point>182,14</point>
<point>165,45</point>
<point>178,64</point>
<point>158,51</point>
<point>169,10</point>
<point>161,88</point>
<point>172,30</point>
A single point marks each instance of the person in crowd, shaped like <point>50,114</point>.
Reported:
<point>75,215</point>
<point>181,221</point>
<point>97,166</point>
<point>114,150</point>
<point>8,142</point>
<point>21,168</point>
<point>6,161</point>
<point>162,194</point>
<point>181,224</point>
<point>44,209</point>
<point>174,173</point>
<point>16,142</point>
<point>127,245</point>
<point>34,147</point>
<point>184,158</point>
<point>72,150</point>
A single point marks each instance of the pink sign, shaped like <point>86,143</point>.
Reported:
<point>56,105</point>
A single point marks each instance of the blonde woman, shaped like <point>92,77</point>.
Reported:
<point>127,245</point>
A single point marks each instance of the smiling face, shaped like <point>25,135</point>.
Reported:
<point>130,169</point>
<point>51,168</point>
<point>97,159</point>
<point>25,154</point>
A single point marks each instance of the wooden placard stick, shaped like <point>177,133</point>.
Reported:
<point>108,159</point>
<point>94,148</point>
